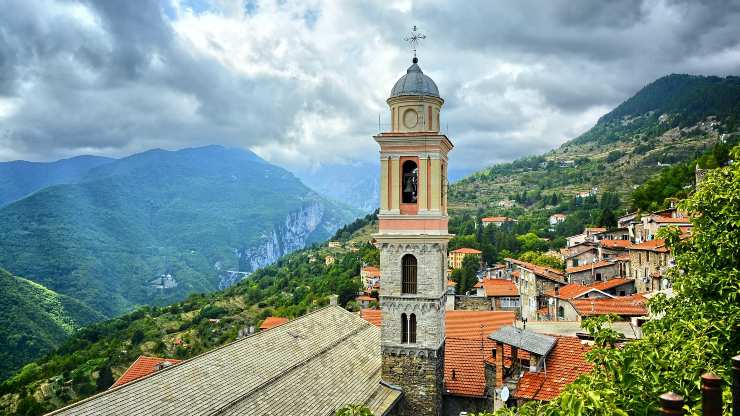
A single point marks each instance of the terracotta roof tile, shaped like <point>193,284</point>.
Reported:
<point>565,363</point>
<point>612,283</point>
<point>496,219</point>
<point>365,298</point>
<point>143,366</point>
<point>670,220</point>
<point>614,243</point>
<point>371,315</point>
<point>465,250</point>
<point>499,287</point>
<point>464,366</point>
<point>656,245</point>
<point>272,322</point>
<point>622,305</point>
<point>569,291</point>
<point>541,271</point>
<point>371,270</point>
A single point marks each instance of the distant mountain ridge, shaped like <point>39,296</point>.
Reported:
<point>21,178</point>
<point>154,227</point>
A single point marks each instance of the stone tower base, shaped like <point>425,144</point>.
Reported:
<point>420,373</point>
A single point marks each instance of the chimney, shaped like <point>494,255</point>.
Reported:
<point>333,300</point>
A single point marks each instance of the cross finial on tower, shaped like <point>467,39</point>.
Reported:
<point>414,38</point>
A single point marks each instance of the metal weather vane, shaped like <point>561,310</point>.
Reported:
<point>414,38</point>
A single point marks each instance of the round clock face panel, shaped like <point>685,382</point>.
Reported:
<point>410,118</point>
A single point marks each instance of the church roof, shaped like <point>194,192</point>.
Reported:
<point>414,83</point>
<point>322,361</point>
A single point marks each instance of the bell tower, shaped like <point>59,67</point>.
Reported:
<point>413,238</point>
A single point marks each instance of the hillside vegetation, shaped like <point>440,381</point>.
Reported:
<point>34,320</point>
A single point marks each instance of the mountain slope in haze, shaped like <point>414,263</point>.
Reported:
<point>356,185</point>
<point>34,319</point>
<point>153,227</point>
<point>674,119</point>
<point>20,178</point>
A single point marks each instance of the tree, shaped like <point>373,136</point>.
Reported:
<point>607,218</point>
<point>531,242</point>
<point>354,410</point>
<point>105,378</point>
<point>465,276</point>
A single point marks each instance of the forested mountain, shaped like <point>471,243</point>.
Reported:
<point>34,320</point>
<point>672,120</point>
<point>20,178</point>
<point>154,227</point>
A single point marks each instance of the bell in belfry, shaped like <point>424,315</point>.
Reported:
<point>409,186</point>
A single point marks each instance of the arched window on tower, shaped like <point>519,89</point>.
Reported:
<point>404,329</point>
<point>410,183</point>
<point>412,329</point>
<point>408,274</point>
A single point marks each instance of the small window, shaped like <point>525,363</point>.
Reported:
<point>598,276</point>
<point>408,274</point>
<point>410,182</point>
<point>575,262</point>
<point>561,312</point>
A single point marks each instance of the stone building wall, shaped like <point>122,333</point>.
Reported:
<point>586,277</point>
<point>472,303</point>
<point>421,376</point>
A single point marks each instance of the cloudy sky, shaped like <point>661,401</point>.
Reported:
<point>302,82</point>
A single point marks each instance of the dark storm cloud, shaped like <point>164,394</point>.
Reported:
<point>293,80</point>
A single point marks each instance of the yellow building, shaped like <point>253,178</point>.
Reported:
<point>455,258</point>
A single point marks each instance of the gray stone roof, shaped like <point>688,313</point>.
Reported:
<point>312,365</point>
<point>414,83</point>
<point>525,340</point>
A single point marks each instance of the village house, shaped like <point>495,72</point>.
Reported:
<point>597,271</point>
<point>537,367</point>
<point>456,257</point>
<point>588,234</point>
<point>564,303</point>
<point>335,244</point>
<point>625,307</point>
<point>625,220</point>
<point>497,221</point>
<point>370,276</point>
<point>648,263</point>
<point>609,249</point>
<point>271,322</point>
<point>365,300</point>
<point>533,281</point>
<point>646,228</point>
<point>497,271</point>
<point>556,219</point>
<point>500,294</point>
<point>580,254</point>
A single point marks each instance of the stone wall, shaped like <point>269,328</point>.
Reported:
<point>453,405</point>
<point>472,303</point>
<point>420,376</point>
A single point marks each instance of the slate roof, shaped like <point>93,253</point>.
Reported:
<point>312,365</point>
<point>415,82</point>
<point>565,363</point>
<point>526,340</point>
<point>143,366</point>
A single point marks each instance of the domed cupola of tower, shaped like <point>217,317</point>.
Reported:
<point>415,83</point>
<point>415,102</point>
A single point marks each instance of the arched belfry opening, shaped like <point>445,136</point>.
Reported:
<point>408,328</point>
<point>408,274</point>
<point>410,185</point>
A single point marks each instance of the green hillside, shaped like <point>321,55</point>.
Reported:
<point>193,214</point>
<point>34,319</point>
<point>672,120</point>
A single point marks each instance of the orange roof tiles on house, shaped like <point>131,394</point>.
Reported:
<point>541,271</point>
<point>465,250</point>
<point>569,291</point>
<point>657,245</point>
<point>609,284</point>
<point>272,322</point>
<point>451,283</point>
<point>595,229</point>
<point>590,266</point>
<point>470,324</point>
<point>622,305</point>
<point>143,366</point>
<point>565,363</point>
<point>371,270</point>
<point>496,219</point>
<point>371,315</point>
<point>365,298</point>
<point>670,220</point>
<point>614,244</point>
<point>464,366</point>
<point>499,287</point>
